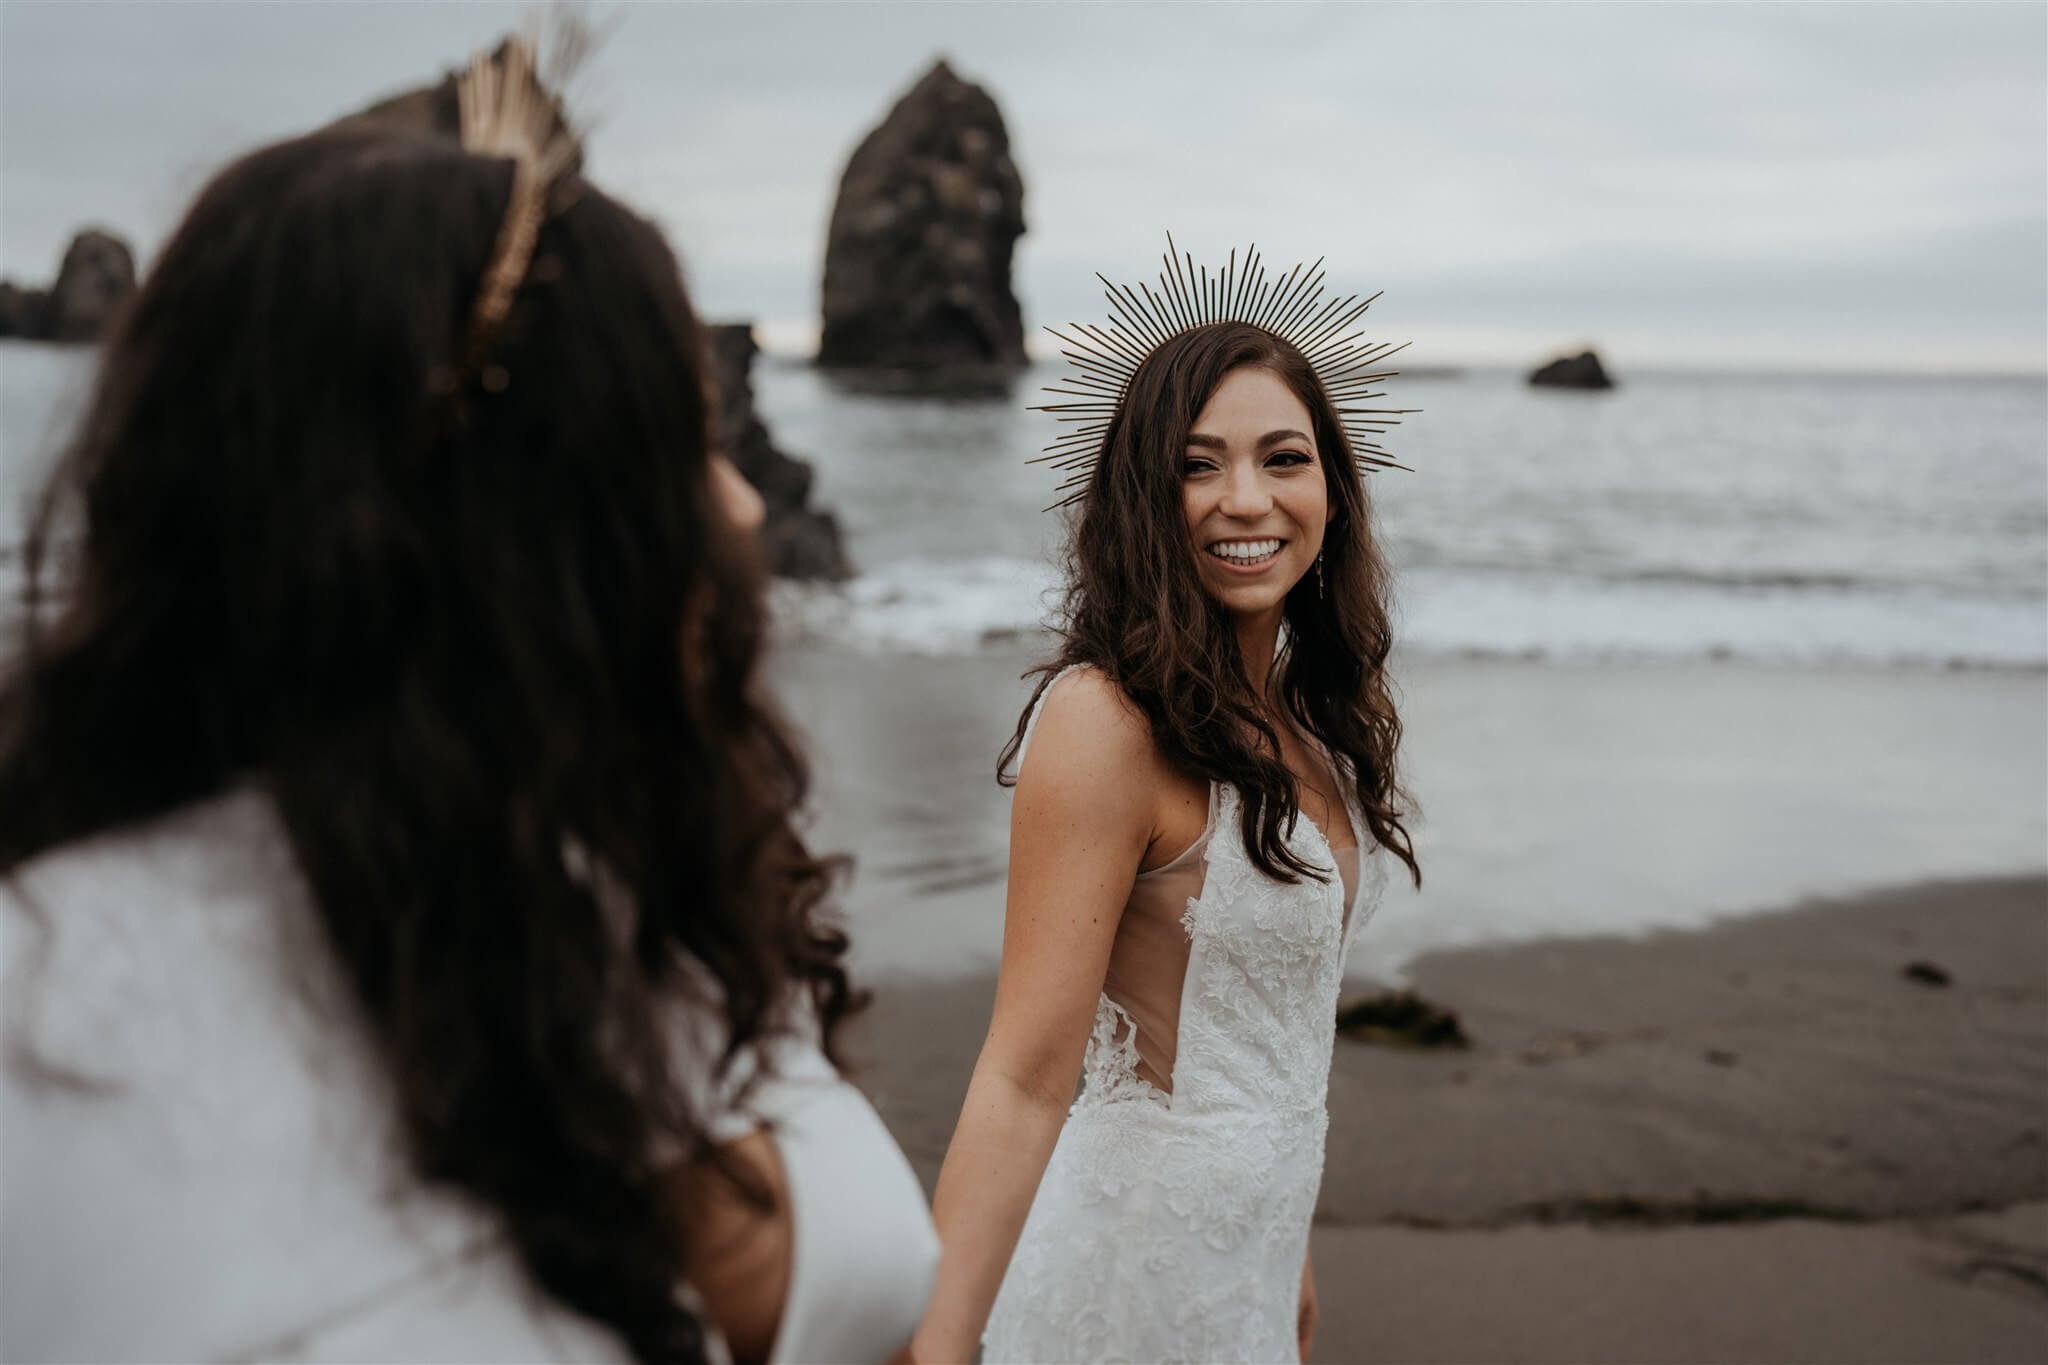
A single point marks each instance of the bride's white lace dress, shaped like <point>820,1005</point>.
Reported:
<point>1173,1217</point>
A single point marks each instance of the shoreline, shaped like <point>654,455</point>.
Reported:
<point>1754,1141</point>
<point>1554,801</point>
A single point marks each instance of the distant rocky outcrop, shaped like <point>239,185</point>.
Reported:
<point>1581,371</point>
<point>21,310</point>
<point>917,262</point>
<point>800,541</point>
<point>95,279</point>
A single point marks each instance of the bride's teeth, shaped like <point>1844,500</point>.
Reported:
<point>1246,551</point>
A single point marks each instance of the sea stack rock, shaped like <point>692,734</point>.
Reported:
<point>799,541</point>
<point>917,262</point>
<point>96,278</point>
<point>1581,371</point>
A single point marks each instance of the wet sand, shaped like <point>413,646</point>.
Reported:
<point>1760,1141</point>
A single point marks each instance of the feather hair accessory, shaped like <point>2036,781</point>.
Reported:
<point>1289,306</point>
<point>506,112</point>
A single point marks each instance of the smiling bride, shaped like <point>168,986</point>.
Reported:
<point>1205,784</point>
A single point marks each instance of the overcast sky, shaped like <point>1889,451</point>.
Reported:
<point>1818,185</point>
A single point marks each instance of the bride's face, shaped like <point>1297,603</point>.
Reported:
<point>1253,490</point>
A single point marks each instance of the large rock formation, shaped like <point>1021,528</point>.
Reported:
<point>1581,371</point>
<point>96,278</point>
<point>917,263</point>
<point>799,541</point>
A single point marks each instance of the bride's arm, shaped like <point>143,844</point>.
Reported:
<point>1084,813</point>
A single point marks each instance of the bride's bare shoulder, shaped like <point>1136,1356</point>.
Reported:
<point>1086,717</point>
<point>1086,707</point>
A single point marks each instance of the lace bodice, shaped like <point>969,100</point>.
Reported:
<point>1173,1218</point>
<point>1255,976</point>
<point>1210,953</point>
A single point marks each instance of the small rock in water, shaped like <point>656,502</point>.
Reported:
<point>1926,973</point>
<point>1581,371</point>
<point>1400,1019</point>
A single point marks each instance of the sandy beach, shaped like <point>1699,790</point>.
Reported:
<point>1756,1142</point>
<point>1705,1116</point>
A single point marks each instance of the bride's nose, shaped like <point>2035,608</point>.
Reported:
<point>1245,495</point>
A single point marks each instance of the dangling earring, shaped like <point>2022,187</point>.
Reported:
<point>1319,574</point>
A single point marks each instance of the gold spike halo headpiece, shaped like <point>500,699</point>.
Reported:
<point>1290,307</point>
<point>506,111</point>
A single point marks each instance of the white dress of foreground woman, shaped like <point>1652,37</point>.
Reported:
<point>1173,1218</point>
<point>230,1187</point>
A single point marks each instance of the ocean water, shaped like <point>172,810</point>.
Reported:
<point>1889,521</point>
<point>42,389</point>
<point>1648,579</point>
<point>1782,519</point>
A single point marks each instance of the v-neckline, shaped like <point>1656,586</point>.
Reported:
<point>1338,802</point>
<point>1351,894</point>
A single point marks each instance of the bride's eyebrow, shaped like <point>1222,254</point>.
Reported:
<point>1271,438</point>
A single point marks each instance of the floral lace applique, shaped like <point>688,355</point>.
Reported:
<point>1173,1227</point>
<point>1109,1069</point>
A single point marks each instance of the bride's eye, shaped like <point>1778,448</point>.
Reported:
<point>1290,458</point>
<point>1194,465</point>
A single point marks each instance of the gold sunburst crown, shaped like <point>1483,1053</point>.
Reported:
<point>1290,306</point>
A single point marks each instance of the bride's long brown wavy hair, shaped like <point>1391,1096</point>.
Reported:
<point>1136,609</point>
<point>490,651</point>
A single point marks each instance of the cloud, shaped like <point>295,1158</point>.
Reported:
<point>1636,166</point>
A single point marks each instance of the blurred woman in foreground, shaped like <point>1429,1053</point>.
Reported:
<point>401,903</point>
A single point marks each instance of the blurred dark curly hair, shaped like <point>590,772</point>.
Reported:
<point>487,650</point>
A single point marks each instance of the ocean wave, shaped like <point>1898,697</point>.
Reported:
<point>924,606</point>
<point>2012,572</point>
<point>963,606</point>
